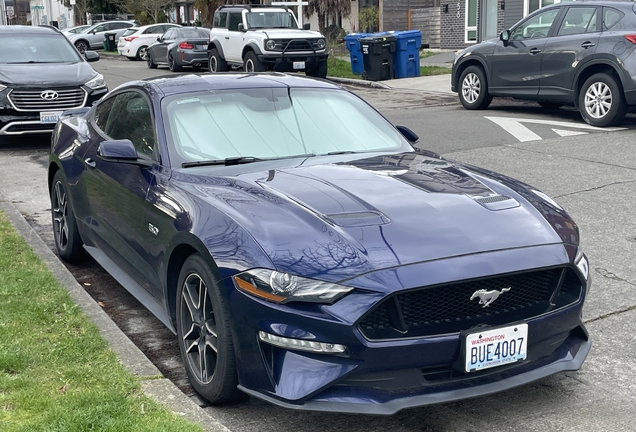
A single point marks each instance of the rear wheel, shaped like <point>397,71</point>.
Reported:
<point>149,60</point>
<point>319,71</point>
<point>142,53</point>
<point>205,336</point>
<point>601,101</point>
<point>215,62</point>
<point>251,63</point>
<point>67,238</point>
<point>473,89</point>
<point>172,64</point>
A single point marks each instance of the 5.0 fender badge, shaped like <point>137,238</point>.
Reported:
<point>487,297</point>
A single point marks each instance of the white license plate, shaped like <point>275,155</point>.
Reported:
<point>299,65</point>
<point>497,347</point>
<point>50,116</point>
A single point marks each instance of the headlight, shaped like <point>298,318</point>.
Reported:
<point>270,44</point>
<point>320,43</point>
<point>284,287</point>
<point>96,82</point>
<point>546,198</point>
<point>582,264</point>
<point>2,87</point>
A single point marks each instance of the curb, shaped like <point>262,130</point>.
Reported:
<point>112,56</point>
<point>359,82</point>
<point>162,390</point>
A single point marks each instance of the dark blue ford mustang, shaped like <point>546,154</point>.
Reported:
<point>306,254</point>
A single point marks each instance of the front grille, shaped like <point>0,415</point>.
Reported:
<point>448,308</point>
<point>31,100</point>
<point>293,45</point>
<point>30,127</point>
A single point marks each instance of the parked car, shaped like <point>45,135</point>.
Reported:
<point>41,75</point>
<point>178,47</point>
<point>74,30</point>
<point>134,42</point>
<point>306,254</point>
<point>579,54</point>
<point>93,37</point>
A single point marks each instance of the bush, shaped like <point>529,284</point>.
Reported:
<point>333,33</point>
<point>369,18</point>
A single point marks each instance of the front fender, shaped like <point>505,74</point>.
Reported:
<point>216,45</point>
<point>252,46</point>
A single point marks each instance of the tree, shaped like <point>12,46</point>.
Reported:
<point>327,10</point>
<point>81,8</point>
<point>148,10</point>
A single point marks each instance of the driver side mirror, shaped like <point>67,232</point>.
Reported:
<point>122,151</point>
<point>306,26</point>
<point>504,36</point>
<point>408,134</point>
<point>241,27</point>
<point>159,39</point>
<point>91,56</point>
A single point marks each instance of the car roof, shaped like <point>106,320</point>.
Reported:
<point>156,24</point>
<point>23,29</point>
<point>190,83</point>
<point>616,3</point>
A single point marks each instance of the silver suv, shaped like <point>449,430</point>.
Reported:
<point>261,38</point>
<point>93,37</point>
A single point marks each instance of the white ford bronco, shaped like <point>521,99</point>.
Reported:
<point>260,38</point>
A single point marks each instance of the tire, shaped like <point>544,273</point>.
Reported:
<point>215,62</point>
<point>601,101</point>
<point>319,71</point>
<point>202,314</point>
<point>142,53</point>
<point>150,62</point>
<point>550,105</point>
<point>172,64</point>
<point>67,237</point>
<point>251,63</point>
<point>82,46</point>
<point>473,89</point>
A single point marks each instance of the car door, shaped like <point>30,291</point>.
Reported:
<point>233,44</point>
<point>160,51</point>
<point>568,51</point>
<point>96,36</point>
<point>117,191</point>
<point>516,64</point>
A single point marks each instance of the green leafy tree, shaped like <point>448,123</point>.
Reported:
<point>369,18</point>
<point>327,10</point>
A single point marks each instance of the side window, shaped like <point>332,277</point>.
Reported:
<point>169,35</point>
<point>220,19</point>
<point>100,28</point>
<point>121,25</point>
<point>234,19</point>
<point>578,20</point>
<point>538,26</point>
<point>101,113</point>
<point>611,17</point>
<point>153,29</point>
<point>130,118</point>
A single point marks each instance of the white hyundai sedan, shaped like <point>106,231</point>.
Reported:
<point>135,41</point>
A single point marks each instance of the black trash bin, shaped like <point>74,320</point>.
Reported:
<point>377,56</point>
<point>111,43</point>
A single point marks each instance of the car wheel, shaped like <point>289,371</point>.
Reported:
<point>151,63</point>
<point>205,336</point>
<point>601,101</point>
<point>251,63</point>
<point>473,91</point>
<point>67,238</point>
<point>550,105</point>
<point>172,64</point>
<point>319,71</point>
<point>81,46</point>
<point>142,53</point>
<point>215,62</point>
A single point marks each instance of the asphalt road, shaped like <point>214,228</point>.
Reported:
<point>591,173</point>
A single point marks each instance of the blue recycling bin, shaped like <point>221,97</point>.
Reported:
<point>353,46</point>
<point>406,59</point>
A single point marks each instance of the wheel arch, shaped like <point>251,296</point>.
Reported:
<point>474,61</point>
<point>53,169</point>
<point>216,45</point>
<point>250,47</point>
<point>593,69</point>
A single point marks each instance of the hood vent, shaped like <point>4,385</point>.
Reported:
<point>358,219</point>
<point>497,202</point>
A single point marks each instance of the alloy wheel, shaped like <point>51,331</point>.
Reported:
<point>598,100</point>
<point>60,215</point>
<point>249,66</point>
<point>143,53</point>
<point>213,66</point>
<point>471,87</point>
<point>199,328</point>
<point>81,47</point>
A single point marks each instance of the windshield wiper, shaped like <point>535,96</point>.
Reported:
<point>341,152</point>
<point>226,161</point>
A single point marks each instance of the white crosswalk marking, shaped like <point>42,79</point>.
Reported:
<point>514,127</point>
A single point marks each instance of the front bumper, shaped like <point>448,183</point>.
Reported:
<point>284,62</point>
<point>386,376</point>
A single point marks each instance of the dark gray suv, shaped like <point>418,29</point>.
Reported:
<point>579,54</point>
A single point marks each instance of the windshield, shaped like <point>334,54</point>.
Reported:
<point>273,123</point>
<point>271,20</point>
<point>45,48</point>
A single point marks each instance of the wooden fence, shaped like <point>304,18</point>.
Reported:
<point>428,21</point>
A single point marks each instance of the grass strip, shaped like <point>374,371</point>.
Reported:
<point>342,69</point>
<point>56,372</point>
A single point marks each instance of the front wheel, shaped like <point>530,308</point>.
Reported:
<point>215,62</point>
<point>473,91</point>
<point>205,336</point>
<point>601,101</point>
<point>319,71</point>
<point>172,64</point>
<point>81,46</point>
<point>67,237</point>
<point>252,63</point>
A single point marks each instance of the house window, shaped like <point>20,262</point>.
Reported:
<point>471,21</point>
<point>530,6</point>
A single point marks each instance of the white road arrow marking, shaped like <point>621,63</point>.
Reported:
<point>515,127</point>
<point>565,133</point>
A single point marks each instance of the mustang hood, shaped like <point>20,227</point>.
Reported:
<point>335,221</point>
<point>60,74</point>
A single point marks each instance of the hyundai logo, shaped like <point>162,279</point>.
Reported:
<point>49,95</point>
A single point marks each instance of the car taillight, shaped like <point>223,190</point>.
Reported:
<point>130,38</point>
<point>186,45</point>
<point>631,38</point>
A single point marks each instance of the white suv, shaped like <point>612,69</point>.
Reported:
<point>260,38</point>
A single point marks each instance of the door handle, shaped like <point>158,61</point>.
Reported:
<point>90,162</point>
<point>535,51</point>
<point>587,45</point>
<point>227,37</point>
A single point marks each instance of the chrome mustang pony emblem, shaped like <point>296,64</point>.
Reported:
<point>487,297</point>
